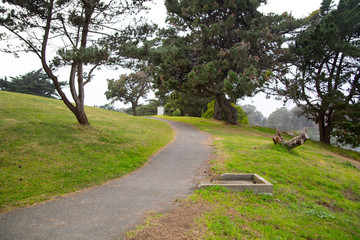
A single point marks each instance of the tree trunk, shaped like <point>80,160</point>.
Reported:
<point>134,106</point>
<point>81,115</point>
<point>218,113</point>
<point>77,110</point>
<point>324,130</point>
<point>230,112</point>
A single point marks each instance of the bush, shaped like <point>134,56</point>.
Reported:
<point>242,118</point>
<point>210,110</point>
<point>176,113</point>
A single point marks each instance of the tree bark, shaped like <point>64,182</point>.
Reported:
<point>81,115</point>
<point>278,138</point>
<point>324,130</point>
<point>218,113</point>
<point>230,112</point>
<point>134,106</point>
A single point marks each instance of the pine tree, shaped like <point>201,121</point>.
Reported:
<point>325,85</point>
<point>220,49</point>
<point>77,25</point>
<point>34,82</point>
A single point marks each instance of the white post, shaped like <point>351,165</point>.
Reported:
<point>160,111</point>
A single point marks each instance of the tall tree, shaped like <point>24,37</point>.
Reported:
<point>283,119</point>
<point>149,109</point>
<point>279,119</point>
<point>77,25</point>
<point>223,49</point>
<point>254,116</point>
<point>298,121</point>
<point>325,84</point>
<point>129,88</point>
<point>34,82</point>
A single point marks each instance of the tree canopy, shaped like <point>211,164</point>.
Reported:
<point>129,88</point>
<point>74,28</point>
<point>221,49</point>
<point>325,83</point>
<point>34,82</point>
<point>255,117</point>
<point>188,104</point>
<point>284,119</point>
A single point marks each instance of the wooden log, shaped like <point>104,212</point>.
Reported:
<point>294,142</point>
<point>278,138</point>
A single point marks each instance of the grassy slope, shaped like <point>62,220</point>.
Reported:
<point>316,191</point>
<point>44,152</point>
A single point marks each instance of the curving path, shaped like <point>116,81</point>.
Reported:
<point>107,211</point>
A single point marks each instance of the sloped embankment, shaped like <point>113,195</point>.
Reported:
<point>45,153</point>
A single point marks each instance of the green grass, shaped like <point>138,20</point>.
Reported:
<point>316,191</point>
<point>44,152</point>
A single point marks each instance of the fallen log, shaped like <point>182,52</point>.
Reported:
<point>278,138</point>
<point>292,143</point>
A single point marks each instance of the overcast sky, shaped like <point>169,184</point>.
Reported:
<point>11,66</point>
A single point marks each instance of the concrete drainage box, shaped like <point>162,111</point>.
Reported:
<point>239,182</point>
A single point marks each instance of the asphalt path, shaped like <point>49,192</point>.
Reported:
<point>109,210</point>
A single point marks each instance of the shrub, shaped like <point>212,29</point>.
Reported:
<point>242,118</point>
<point>176,113</point>
<point>210,110</point>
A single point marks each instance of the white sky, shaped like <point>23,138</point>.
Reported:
<point>11,66</point>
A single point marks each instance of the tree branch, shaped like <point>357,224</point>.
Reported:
<point>89,74</point>
<point>45,65</point>
<point>66,32</point>
<point>35,50</point>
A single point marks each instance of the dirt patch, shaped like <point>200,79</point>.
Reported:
<point>177,224</point>
<point>332,207</point>
<point>350,195</point>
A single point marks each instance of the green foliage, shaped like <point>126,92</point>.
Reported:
<point>325,85</point>
<point>254,117</point>
<point>149,109</point>
<point>44,153</point>
<point>177,112</point>
<point>90,55</point>
<point>279,119</point>
<point>129,88</point>
<point>209,111</point>
<point>34,83</point>
<point>216,48</point>
<point>242,118</point>
<point>189,104</point>
<point>108,106</point>
<point>347,129</point>
<point>71,28</point>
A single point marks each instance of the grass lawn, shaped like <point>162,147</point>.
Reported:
<point>316,189</point>
<point>44,152</point>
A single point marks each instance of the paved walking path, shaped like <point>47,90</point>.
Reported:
<point>107,211</point>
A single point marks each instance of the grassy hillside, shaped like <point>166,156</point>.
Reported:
<point>45,153</point>
<point>316,191</point>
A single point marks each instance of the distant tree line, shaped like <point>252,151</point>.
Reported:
<point>34,83</point>
<point>282,119</point>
